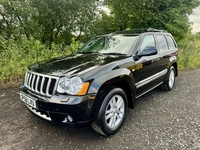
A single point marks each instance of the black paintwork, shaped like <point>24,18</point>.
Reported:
<point>102,71</point>
<point>77,65</point>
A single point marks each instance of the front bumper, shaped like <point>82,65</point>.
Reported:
<point>64,109</point>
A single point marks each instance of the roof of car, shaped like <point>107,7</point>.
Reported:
<point>139,31</point>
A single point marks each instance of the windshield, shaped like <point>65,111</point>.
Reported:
<point>117,44</point>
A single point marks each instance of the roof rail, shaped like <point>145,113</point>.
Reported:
<point>155,30</point>
<point>140,30</point>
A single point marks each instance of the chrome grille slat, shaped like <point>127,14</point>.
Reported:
<point>54,88</point>
<point>42,85</point>
<point>29,78</point>
<point>48,85</point>
<point>26,79</point>
<point>36,89</point>
<point>39,83</point>
<point>32,84</point>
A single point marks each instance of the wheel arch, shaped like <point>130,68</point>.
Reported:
<point>175,65</point>
<point>173,62</point>
<point>121,78</point>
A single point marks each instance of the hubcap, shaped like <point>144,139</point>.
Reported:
<point>115,112</point>
<point>171,78</point>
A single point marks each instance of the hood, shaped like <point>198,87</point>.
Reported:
<point>78,64</point>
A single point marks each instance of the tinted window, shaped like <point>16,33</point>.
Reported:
<point>170,42</point>
<point>162,43</point>
<point>148,41</point>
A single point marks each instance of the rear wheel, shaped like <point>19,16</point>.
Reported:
<point>111,114</point>
<point>169,83</point>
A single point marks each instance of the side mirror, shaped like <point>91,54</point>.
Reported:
<point>147,51</point>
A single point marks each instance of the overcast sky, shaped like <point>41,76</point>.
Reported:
<point>195,19</point>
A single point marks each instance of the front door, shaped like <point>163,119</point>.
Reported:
<point>148,71</point>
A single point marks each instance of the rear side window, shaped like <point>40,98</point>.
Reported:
<point>170,42</point>
<point>162,43</point>
<point>148,41</point>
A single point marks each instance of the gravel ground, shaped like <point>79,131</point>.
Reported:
<point>160,120</point>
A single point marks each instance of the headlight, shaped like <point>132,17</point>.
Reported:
<point>73,86</point>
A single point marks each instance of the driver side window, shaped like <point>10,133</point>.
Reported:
<point>148,41</point>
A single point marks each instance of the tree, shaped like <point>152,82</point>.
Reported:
<point>169,15</point>
<point>48,20</point>
<point>16,19</point>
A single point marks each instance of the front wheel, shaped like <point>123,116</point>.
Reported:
<point>111,114</point>
<point>169,83</point>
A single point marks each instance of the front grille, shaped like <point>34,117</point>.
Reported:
<point>40,83</point>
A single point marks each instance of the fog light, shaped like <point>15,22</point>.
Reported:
<point>70,118</point>
<point>67,119</point>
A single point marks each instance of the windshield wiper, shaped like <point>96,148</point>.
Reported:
<point>87,52</point>
<point>113,53</point>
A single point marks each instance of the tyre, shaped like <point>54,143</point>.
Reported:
<point>169,82</point>
<point>112,112</point>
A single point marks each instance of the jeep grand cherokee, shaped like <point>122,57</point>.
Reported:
<point>103,79</point>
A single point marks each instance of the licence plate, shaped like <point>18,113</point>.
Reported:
<point>28,100</point>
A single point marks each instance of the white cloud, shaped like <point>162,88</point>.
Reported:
<point>195,20</point>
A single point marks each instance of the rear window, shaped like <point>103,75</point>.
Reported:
<point>171,42</point>
<point>162,43</point>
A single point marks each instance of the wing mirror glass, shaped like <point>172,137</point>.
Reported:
<point>147,51</point>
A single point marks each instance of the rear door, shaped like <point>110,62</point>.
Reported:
<point>167,48</point>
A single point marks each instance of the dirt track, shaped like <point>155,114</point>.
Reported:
<point>160,120</point>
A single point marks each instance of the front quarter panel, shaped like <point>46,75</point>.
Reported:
<point>103,83</point>
<point>111,78</point>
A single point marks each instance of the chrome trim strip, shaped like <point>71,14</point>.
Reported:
<point>38,113</point>
<point>149,90</point>
<point>150,79</point>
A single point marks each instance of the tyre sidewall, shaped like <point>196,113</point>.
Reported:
<point>169,88</point>
<point>101,115</point>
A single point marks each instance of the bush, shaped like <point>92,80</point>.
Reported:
<point>189,52</point>
<point>17,55</point>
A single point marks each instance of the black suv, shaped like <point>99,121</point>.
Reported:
<point>103,79</point>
